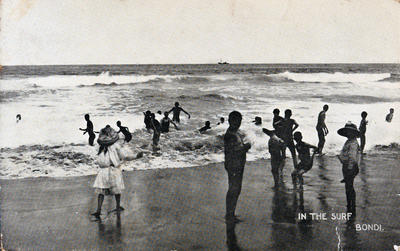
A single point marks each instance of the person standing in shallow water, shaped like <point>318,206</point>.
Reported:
<point>322,130</point>
<point>176,112</point>
<point>89,129</point>
<point>389,116</point>
<point>165,123</point>
<point>235,159</point>
<point>125,131</point>
<point>277,123</point>
<point>275,145</point>
<point>363,129</point>
<point>289,125</point>
<point>349,157</point>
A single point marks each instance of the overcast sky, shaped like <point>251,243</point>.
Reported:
<point>199,31</point>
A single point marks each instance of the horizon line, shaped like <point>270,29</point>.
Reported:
<point>81,64</point>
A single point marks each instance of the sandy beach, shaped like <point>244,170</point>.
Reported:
<point>183,209</point>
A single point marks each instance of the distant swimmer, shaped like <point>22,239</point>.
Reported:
<point>177,111</point>
<point>18,117</point>
<point>125,131</point>
<point>156,131</point>
<point>322,129</point>
<point>257,120</point>
<point>221,121</point>
<point>147,120</point>
<point>275,146</point>
<point>306,161</point>
<point>288,127</point>
<point>235,159</point>
<point>89,129</point>
<point>389,117</point>
<point>205,127</point>
<point>165,123</point>
<point>363,129</point>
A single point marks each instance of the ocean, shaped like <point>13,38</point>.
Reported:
<point>53,100</point>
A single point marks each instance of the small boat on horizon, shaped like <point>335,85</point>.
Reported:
<point>220,62</point>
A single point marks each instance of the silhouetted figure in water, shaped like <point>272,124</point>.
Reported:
<point>125,131</point>
<point>322,129</point>
<point>306,161</point>
<point>275,145</point>
<point>221,121</point>
<point>235,159</point>
<point>165,123</point>
<point>389,117</point>
<point>349,157</point>
<point>147,120</point>
<point>176,112</point>
<point>205,127</point>
<point>89,129</point>
<point>363,129</point>
<point>257,121</point>
<point>18,118</point>
<point>277,123</point>
<point>288,126</point>
<point>156,130</point>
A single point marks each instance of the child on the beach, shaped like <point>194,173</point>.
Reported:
<point>363,129</point>
<point>89,129</point>
<point>109,178</point>
<point>349,157</point>
<point>389,117</point>
<point>125,131</point>
<point>18,118</point>
<point>235,159</point>
<point>176,112</point>
<point>275,145</point>
<point>306,161</point>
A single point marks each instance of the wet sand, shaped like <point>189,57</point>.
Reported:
<point>183,209</point>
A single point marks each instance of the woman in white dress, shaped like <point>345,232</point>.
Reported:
<point>109,178</point>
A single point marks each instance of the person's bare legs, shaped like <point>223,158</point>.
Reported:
<point>100,200</point>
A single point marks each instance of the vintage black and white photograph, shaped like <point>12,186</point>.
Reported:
<point>200,125</point>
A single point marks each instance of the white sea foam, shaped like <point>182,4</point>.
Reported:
<point>337,77</point>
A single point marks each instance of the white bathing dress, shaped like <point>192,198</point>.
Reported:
<point>109,178</point>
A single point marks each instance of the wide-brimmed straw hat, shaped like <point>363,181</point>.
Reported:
<point>349,129</point>
<point>107,136</point>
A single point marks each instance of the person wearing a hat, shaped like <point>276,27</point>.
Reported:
<point>109,178</point>
<point>257,120</point>
<point>349,157</point>
<point>275,146</point>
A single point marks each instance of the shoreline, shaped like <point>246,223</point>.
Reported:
<point>183,208</point>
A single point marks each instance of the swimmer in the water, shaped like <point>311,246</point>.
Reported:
<point>221,121</point>
<point>165,123</point>
<point>89,129</point>
<point>257,121</point>
<point>176,112</point>
<point>18,117</point>
<point>205,127</point>
<point>389,117</point>
<point>125,131</point>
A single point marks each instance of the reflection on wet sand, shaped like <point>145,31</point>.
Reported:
<point>110,235</point>
<point>231,240</point>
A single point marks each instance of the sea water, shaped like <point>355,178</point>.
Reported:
<point>53,100</point>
